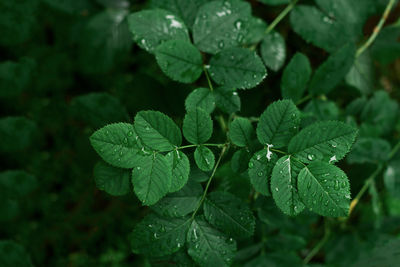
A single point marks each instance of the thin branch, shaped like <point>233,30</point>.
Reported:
<point>377,28</point>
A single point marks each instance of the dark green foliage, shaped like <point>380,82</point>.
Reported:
<point>199,133</point>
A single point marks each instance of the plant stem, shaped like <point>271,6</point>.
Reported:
<point>278,19</point>
<point>319,245</point>
<point>304,99</point>
<point>189,146</point>
<point>278,151</point>
<point>208,78</point>
<point>224,149</point>
<point>371,178</point>
<point>377,28</point>
<point>281,16</point>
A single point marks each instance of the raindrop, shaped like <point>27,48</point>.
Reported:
<point>251,164</point>
<point>334,144</point>
<point>276,189</point>
<point>310,157</point>
<point>336,185</point>
<point>238,24</point>
<point>130,133</point>
<point>155,236</point>
<point>221,44</point>
<point>147,128</point>
<point>240,37</point>
<point>260,174</point>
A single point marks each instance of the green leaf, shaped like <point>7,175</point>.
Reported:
<point>319,110</point>
<point>260,169</point>
<point>229,214</point>
<point>241,132</point>
<point>117,145</point>
<point>391,178</point>
<point>381,112</point>
<point>151,178</point>
<point>16,134</point>
<point>386,252</point>
<point>200,98</point>
<point>15,76</point>
<point>361,74</point>
<point>105,34</point>
<point>284,185</point>
<point>197,126</point>
<point>386,47</point>
<point>220,25</point>
<point>184,9</point>
<point>98,109</point>
<point>327,141</point>
<point>17,183</point>
<point>238,68</point>
<point>114,181</point>
<point>256,31</point>
<point>273,51</point>
<point>152,27</point>
<point>227,99</point>
<point>157,130</point>
<point>278,123</point>
<point>333,70</point>
<point>240,160</point>
<point>13,254</point>
<point>180,166</point>
<point>274,2</point>
<point>204,158</point>
<point>179,60</point>
<point>17,21</point>
<point>369,150</point>
<point>180,203</point>
<point>295,77</point>
<point>159,236</point>
<point>324,189</point>
<point>209,247</point>
<point>324,28</point>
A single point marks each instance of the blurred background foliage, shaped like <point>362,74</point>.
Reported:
<point>69,67</point>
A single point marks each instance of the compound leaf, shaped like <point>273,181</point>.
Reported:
<point>117,145</point>
<point>284,185</point>
<point>229,214</point>
<point>200,98</point>
<point>114,181</point>
<point>327,141</point>
<point>151,178</point>
<point>209,247</point>
<point>295,77</point>
<point>197,126</point>
<point>159,236</point>
<point>152,27</point>
<point>220,25</point>
<point>273,51</point>
<point>260,169</point>
<point>204,158</point>
<point>180,166</point>
<point>237,68</point>
<point>241,132</point>
<point>324,189</point>
<point>278,123</point>
<point>333,70</point>
<point>157,130</point>
<point>180,203</point>
<point>179,60</point>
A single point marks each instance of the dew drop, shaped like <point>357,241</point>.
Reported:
<point>238,24</point>
<point>251,164</point>
<point>221,44</point>
<point>310,157</point>
<point>130,133</point>
<point>336,185</point>
<point>260,174</point>
<point>276,189</point>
